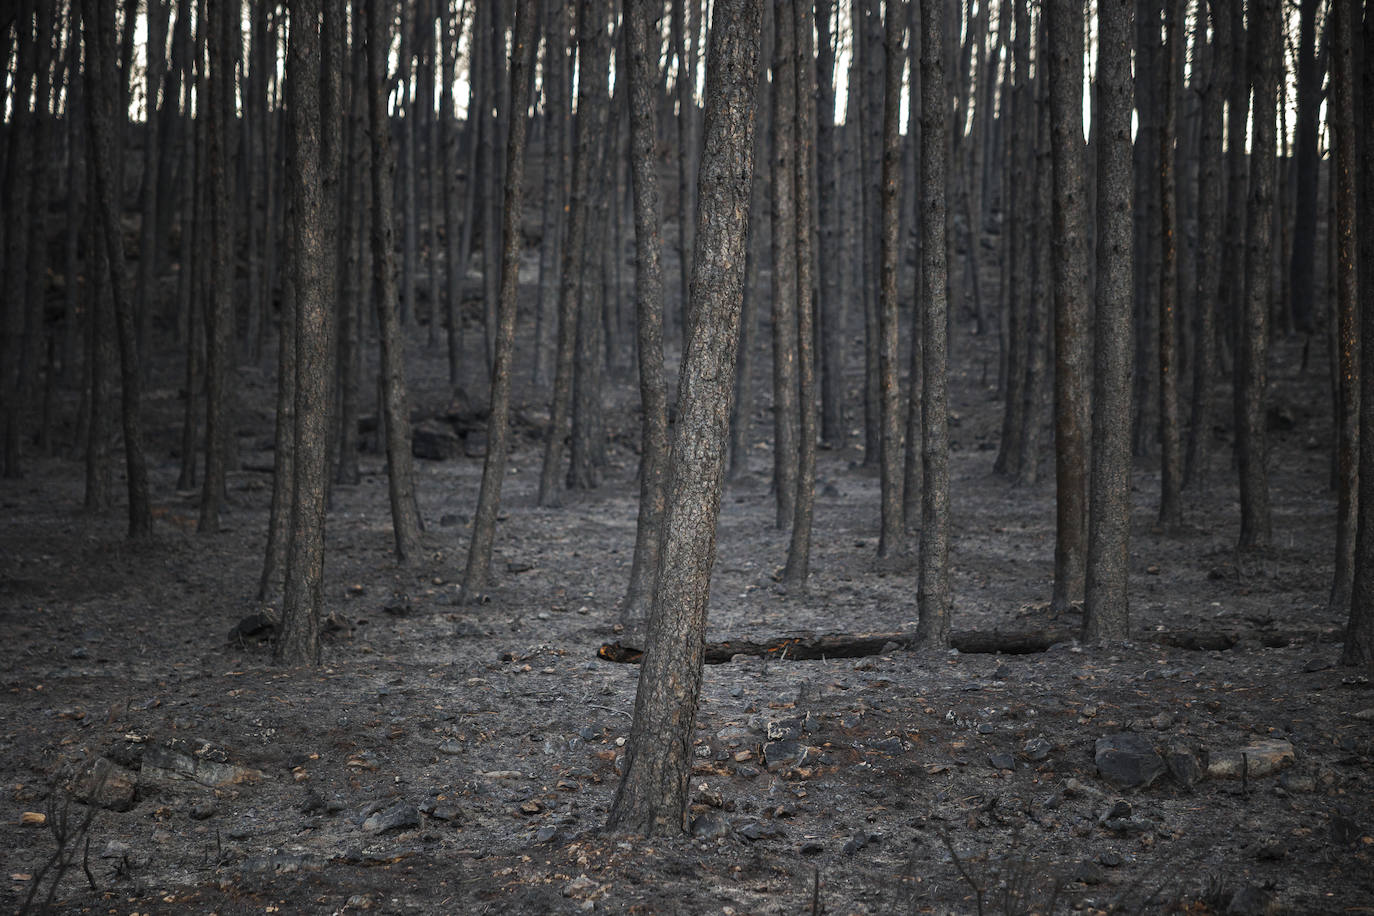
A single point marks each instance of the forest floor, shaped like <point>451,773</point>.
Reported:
<point>462,759</point>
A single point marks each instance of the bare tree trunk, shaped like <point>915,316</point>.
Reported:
<point>405,516</point>
<point>1305,166</point>
<point>574,256</point>
<point>652,797</point>
<point>220,312</point>
<point>352,294</point>
<point>1070,228</point>
<point>1106,614</point>
<point>784,250</point>
<point>1170,449</point>
<point>798,565</point>
<point>932,580</point>
<point>477,574</point>
<point>101,82</point>
<point>158,12</point>
<point>891,538</point>
<point>1348,470</point>
<point>1253,343</point>
<point>1359,631</point>
<point>557,115</point>
<point>643,42</point>
<point>830,311</point>
<point>587,449</point>
<point>1233,275</point>
<point>868,56</point>
<point>1211,204</point>
<point>18,194</point>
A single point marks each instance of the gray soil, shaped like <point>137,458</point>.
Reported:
<point>449,758</point>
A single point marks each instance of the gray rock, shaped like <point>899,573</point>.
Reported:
<point>435,441</point>
<point>1252,900</point>
<point>1088,873</point>
<point>779,754</point>
<point>546,834</point>
<point>106,785</point>
<point>889,745</point>
<point>199,761</point>
<point>855,843</point>
<point>1183,765</point>
<point>1002,761</point>
<point>1110,859</point>
<point>1037,749</point>
<point>789,729</point>
<point>1298,782</point>
<point>450,746</point>
<point>398,816</point>
<point>203,810</point>
<point>754,830</point>
<point>1128,760</point>
<point>709,825</point>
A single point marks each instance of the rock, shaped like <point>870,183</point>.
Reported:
<point>106,786</point>
<point>1252,900</point>
<point>855,843</point>
<point>789,729</point>
<point>450,746</point>
<point>1002,761</point>
<point>1183,765</point>
<point>1344,830</point>
<point>1128,760</point>
<point>1037,749</point>
<point>546,834</point>
<point>1316,664</point>
<point>202,810</point>
<point>1298,782</point>
<point>114,849</point>
<point>1259,758</point>
<point>398,816</point>
<point>1271,850</point>
<point>1088,873</point>
<point>889,745</point>
<point>754,830</point>
<point>812,848</point>
<point>778,754</point>
<point>433,440</point>
<point>254,628</point>
<point>709,825</point>
<point>199,761</point>
<point>475,444</point>
<point>1110,859</point>
<point>580,887</point>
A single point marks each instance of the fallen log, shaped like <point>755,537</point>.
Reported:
<point>804,646</point>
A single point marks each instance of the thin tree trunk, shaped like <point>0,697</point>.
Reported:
<point>1066,26</point>
<point>1106,614</point>
<point>220,312</point>
<point>570,293</point>
<point>1348,471</point>
<point>643,42</point>
<point>1211,203</point>
<point>798,566</point>
<point>18,195</point>
<point>892,531</point>
<point>652,797</point>
<point>1170,446</point>
<point>158,12</point>
<point>830,310</point>
<point>1359,631</point>
<point>405,516</point>
<point>556,116</point>
<point>1305,171</point>
<point>784,250</point>
<point>1253,343</point>
<point>478,571</point>
<point>101,81</point>
<point>932,580</point>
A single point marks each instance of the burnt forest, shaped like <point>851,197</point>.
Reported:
<point>687,457</point>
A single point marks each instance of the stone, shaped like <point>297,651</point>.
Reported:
<point>708,826</point>
<point>1298,782</point>
<point>432,440</point>
<point>754,830</point>
<point>398,816</point>
<point>1002,761</point>
<point>889,745</point>
<point>1110,859</point>
<point>1259,758</point>
<point>1183,765</point>
<point>1037,749</point>
<point>789,729</point>
<point>855,843</point>
<point>546,834</point>
<point>203,810</point>
<point>450,746</point>
<point>192,759</point>
<point>778,754</point>
<point>1128,761</point>
<point>1088,873</point>
<point>1252,900</point>
<point>580,887</point>
<point>106,785</point>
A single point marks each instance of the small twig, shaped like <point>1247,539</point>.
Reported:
<point>815,891</point>
<point>610,709</point>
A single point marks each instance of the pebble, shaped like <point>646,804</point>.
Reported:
<point>855,843</point>
<point>1128,760</point>
<point>450,746</point>
<point>1002,761</point>
<point>1037,749</point>
<point>398,816</point>
<point>546,834</point>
